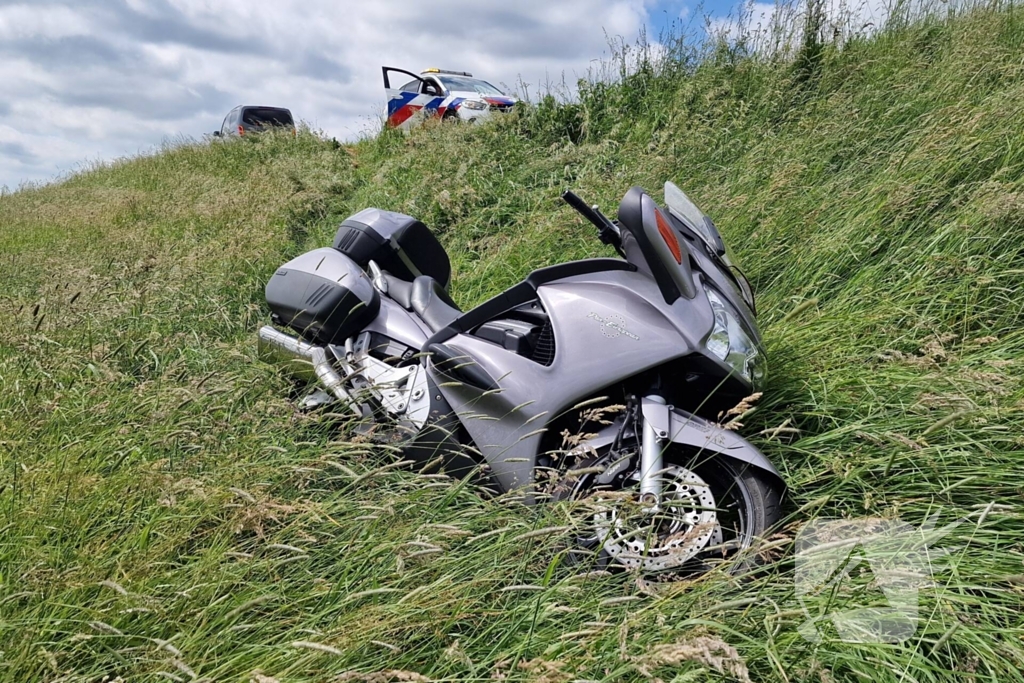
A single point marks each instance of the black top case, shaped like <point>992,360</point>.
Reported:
<point>399,244</point>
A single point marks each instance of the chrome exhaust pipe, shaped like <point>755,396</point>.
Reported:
<point>303,361</point>
<point>292,354</point>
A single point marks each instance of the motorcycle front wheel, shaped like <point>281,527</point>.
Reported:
<point>712,511</point>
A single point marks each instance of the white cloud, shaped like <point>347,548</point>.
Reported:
<point>26,21</point>
<point>96,79</point>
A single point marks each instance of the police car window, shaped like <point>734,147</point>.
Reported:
<point>411,86</point>
<point>464,84</point>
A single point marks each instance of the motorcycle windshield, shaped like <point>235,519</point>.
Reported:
<point>689,214</point>
<point>683,208</point>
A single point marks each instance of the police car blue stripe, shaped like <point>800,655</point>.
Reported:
<point>396,103</point>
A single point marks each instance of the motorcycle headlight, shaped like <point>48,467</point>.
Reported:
<point>729,342</point>
<point>474,104</point>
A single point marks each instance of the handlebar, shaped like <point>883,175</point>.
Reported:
<point>608,232</point>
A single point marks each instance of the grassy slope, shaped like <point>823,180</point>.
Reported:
<point>158,486</point>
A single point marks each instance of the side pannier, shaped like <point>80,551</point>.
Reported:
<point>323,295</point>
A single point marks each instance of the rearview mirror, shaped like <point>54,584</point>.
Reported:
<point>216,133</point>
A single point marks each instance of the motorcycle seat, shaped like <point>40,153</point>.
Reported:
<point>399,290</point>
<point>432,304</point>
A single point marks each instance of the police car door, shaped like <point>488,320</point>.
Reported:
<point>410,103</point>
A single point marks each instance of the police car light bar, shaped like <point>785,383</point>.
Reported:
<point>432,70</point>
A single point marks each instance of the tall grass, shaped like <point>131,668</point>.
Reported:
<point>166,514</point>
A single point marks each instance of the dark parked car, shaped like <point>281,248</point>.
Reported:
<point>251,119</point>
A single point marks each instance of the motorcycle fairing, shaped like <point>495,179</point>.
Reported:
<point>526,291</point>
<point>607,325</point>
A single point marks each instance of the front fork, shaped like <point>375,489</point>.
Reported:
<point>656,421</point>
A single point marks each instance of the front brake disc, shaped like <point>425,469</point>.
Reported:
<point>683,524</point>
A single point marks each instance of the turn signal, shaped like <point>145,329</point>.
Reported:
<point>669,235</point>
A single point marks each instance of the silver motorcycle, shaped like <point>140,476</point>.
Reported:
<point>597,380</point>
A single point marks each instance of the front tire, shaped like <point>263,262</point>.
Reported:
<point>714,510</point>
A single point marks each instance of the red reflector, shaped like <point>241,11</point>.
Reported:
<point>669,235</point>
<point>241,131</point>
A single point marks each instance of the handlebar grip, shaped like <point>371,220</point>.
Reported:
<point>589,212</point>
<point>573,200</point>
<point>607,231</point>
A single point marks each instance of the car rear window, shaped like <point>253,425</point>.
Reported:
<point>267,117</point>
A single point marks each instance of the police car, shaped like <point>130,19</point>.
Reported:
<point>448,94</point>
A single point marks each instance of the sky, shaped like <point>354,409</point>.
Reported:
<point>95,80</point>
